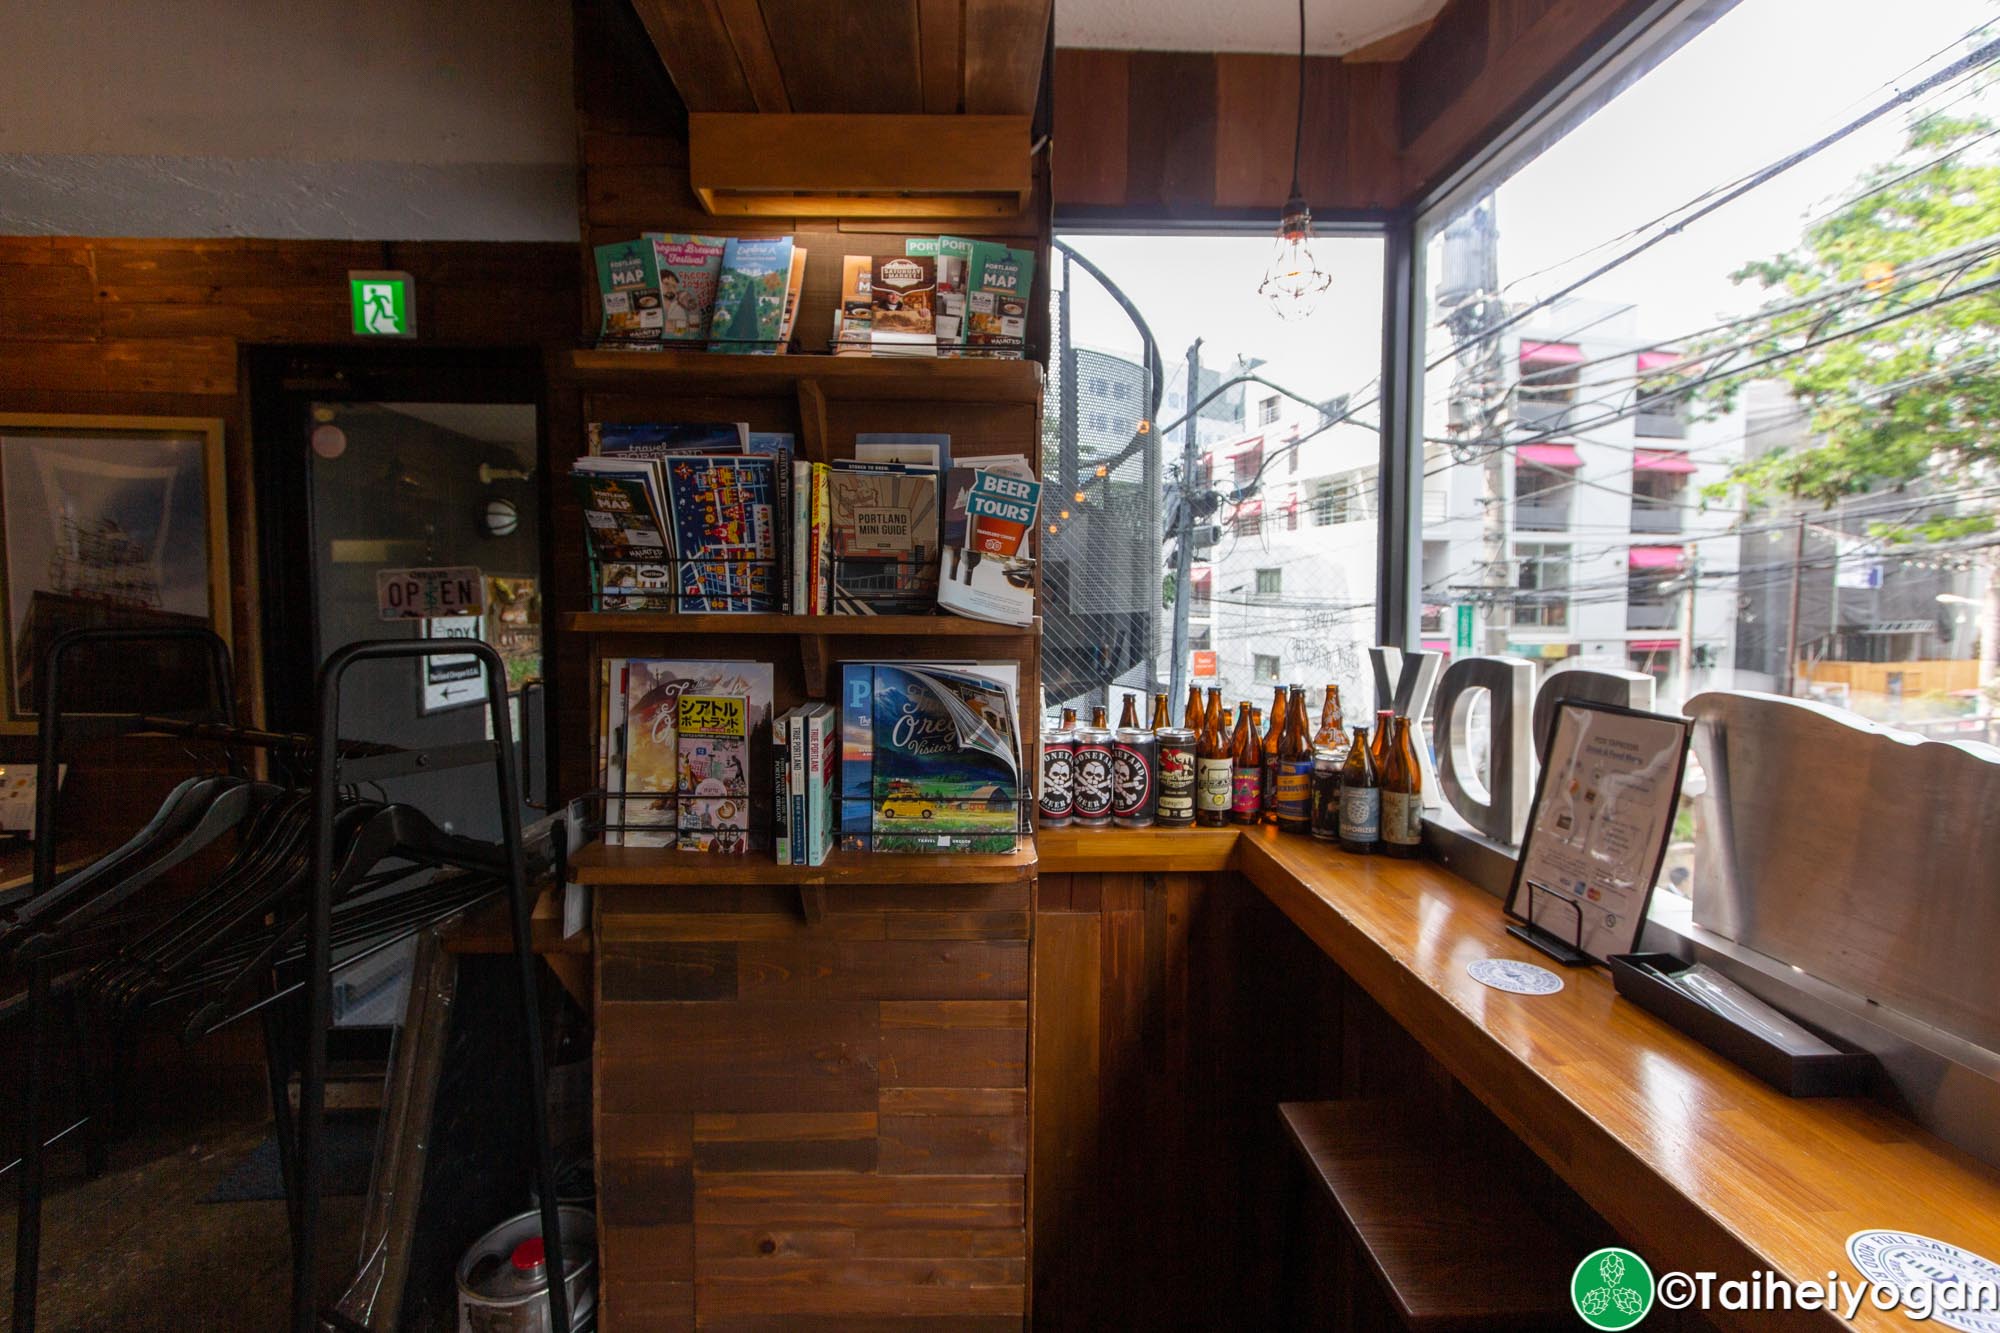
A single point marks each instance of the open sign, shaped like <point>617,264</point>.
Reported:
<point>429,593</point>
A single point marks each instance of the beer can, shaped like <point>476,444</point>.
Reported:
<point>503,1280</point>
<point>1176,808</point>
<point>1326,795</point>
<point>1093,777</point>
<point>1135,778</point>
<point>1058,793</point>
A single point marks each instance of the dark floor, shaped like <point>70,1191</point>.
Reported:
<point>137,1249</point>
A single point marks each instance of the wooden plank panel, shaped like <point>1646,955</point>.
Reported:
<point>953,1101</point>
<point>50,298</point>
<point>954,1057</point>
<point>888,970</point>
<point>953,1144</point>
<point>831,1200</point>
<point>645,1201</point>
<point>794,1323</point>
<point>842,1141</point>
<point>1065,1125</point>
<point>637,970</point>
<point>842,57</point>
<point>955,1014</point>
<point>203,366</point>
<point>693,42</point>
<point>1089,157</point>
<point>747,927</point>
<point>656,1307</point>
<point>751,41</point>
<point>1171,131</point>
<point>725,1057</point>
<point>1005,41</point>
<point>938,29</point>
<point>863,1287</point>
<point>957,925</point>
<point>908,1243</point>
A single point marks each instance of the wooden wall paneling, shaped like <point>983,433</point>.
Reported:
<point>1171,132</point>
<point>1005,42</point>
<point>842,57</point>
<point>1092,119</point>
<point>751,40</point>
<point>693,39</point>
<point>940,35</point>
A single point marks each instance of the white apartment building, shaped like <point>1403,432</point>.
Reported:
<point>1582,540</point>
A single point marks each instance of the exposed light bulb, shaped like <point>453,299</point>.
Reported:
<point>1293,281</point>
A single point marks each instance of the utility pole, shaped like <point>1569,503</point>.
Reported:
<point>1792,627</point>
<point>1184,545</point>
<point>1687,626</point>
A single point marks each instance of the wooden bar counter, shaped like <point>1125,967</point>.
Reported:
<point>874,1118</point>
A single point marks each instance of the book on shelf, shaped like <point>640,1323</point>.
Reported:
<point>882,538</point>
<point>936,736</point>
<point>781,786</point>
<point>794,286</point>
<point>712,744</point>
<point>723,511</point>
<point>988,574</point>
<point>751,294</point>
<point>639,751</point>
<point>688,267</point>
<point>806,771</point>
<point>954,260</point>
<point>660,439</point>
<point>624,510</point>
<point>628,294</point>
<point>854,319</point>
<point>903,293</point>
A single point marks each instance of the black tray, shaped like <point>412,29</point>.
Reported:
<point>1846,1074</point>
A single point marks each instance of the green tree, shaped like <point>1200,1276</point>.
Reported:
<point>1893,399</point>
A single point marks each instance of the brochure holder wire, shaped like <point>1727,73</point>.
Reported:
<point>609,812</point>
<point>1567,952</point>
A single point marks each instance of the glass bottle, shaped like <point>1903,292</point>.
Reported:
<point>1332,729</point>
<point>1160,720</point>
<point>1246,802</point>
<point>1295,767</point>
<point>1360,798</point>
<point>1215,711</point>
<point>1267,794</point>
<point>1176,748</point>
<point>1192,716</point>
<point>1378,743</point>
<point>1402,795</point>
<point>1212,768</point>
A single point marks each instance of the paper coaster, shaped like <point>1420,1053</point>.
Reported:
<point>1514,976</point>
<point>1902,1259</point>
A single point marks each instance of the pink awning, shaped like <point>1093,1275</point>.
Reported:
<point>1437,645</point>
<point>1562,353</point>
<point>1252,508</point>
<point>1549,455</point>
<point>1245,446</point>
<point>1653,645</point>
<point>1656,557</point>
<point>1658,360</point>
<point>1661,460</point>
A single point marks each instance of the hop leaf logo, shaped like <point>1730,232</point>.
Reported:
<point>1612,1289</point>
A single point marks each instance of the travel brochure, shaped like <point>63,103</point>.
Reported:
<point>714,517</point>
<point>940,296</point>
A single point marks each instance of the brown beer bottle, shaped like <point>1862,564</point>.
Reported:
<point>1378,744</point>
<point>1267,796</point>
<point>1402,794</point>
<point>1360,798</point>
<point>1128,716</point>
<point>1246,801</point>
<point>1332,728</point>
<point>1160,722</point>
<point>1212,766</point>
<point>1193,718</point>
<point>1295,767</point>
<point>1215,710</point>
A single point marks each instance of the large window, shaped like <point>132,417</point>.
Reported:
<point>1747,406</point>
<point>1278,571</point>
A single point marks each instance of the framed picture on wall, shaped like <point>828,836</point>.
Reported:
<point>105,521</point>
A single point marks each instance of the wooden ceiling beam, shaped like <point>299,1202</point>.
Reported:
<point>940,35</point>
<point>694,45</point>
<point>743,20</point>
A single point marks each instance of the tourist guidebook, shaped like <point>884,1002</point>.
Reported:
<point>946,773</point>
<point>713,772</point>
<point>640,753</point>
<point>883,538</point>
<point>751,294</point>
<point>903,290</point>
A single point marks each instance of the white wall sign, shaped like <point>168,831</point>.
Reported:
<point>451,680</point>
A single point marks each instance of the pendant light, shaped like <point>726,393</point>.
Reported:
<point>1294,281</point>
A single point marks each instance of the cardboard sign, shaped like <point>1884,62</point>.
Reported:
<point>429,593</point>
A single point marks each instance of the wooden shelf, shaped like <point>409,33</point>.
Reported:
<point>1454,1248</point>
<point>657,866</point>
<point>726,375</point>
<point>833,627</point>
<point>1073,849</point>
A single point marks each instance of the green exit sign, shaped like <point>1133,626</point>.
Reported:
<point>384,304</point>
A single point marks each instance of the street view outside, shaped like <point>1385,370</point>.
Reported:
<point>1729,427</point>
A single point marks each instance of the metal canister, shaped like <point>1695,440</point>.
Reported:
<point>1135,777</point>
<point>1176,777</point>
<point>1326,795</point>
<point>1093,776</point>
<point>1058,794</point>
<point>503,1281</point>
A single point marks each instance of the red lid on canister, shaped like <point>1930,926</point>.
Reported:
<point>530,1254</point>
